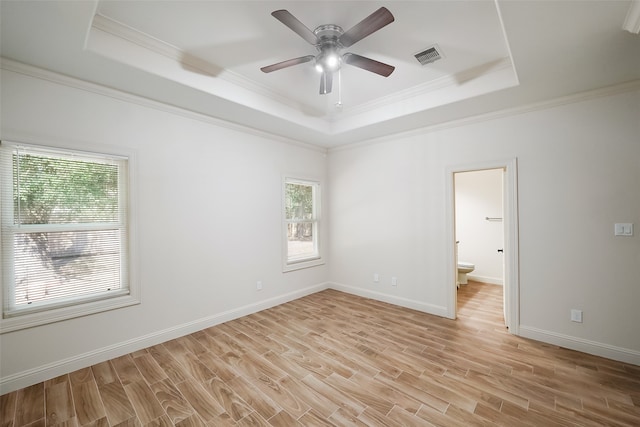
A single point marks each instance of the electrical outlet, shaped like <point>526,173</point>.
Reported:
<point>259,285</point>
<point>576,315</point>
<point>394,281</point>
<point>376,277</point>
<point>625,229</point>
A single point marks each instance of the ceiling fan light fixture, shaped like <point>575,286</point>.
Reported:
<point>332,61</point>
<point>328,61</point>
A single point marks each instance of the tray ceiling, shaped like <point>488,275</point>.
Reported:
<point>205,56</point>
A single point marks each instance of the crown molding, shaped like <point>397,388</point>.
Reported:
<point>426,88</point>
<point>39,73</point>
<point>72,82</point>
<point>193,62</point>
<point>626,87</point>
<point>632,21</point>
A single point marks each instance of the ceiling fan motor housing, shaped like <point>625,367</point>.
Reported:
<point>328,32</point>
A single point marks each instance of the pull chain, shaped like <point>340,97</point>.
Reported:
<point>339,103</point>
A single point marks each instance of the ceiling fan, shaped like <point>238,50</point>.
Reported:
<point>329,39</point>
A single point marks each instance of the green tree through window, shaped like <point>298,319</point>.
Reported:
<point>301,217</point>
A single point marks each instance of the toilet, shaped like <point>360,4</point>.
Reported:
<point>464,268</point>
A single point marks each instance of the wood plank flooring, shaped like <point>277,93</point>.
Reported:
<point>338,359</point>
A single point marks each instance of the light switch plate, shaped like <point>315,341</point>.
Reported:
<point>623,229</point>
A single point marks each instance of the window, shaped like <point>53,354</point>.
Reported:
<point>301,212</point>
<point>64,234</point>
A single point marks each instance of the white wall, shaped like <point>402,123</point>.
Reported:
<point>478,195</point>
<point>209,217</point>
<point>578,174</point>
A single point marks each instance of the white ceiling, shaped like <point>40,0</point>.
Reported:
<point>205,56</point>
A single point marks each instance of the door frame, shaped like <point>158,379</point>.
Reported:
<point>510,211</point>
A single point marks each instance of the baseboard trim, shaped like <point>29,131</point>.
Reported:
<point>52,370</point>
<point>484,279</point>
<point>436,310</point>
<point>586,346</point>
<point>42,373</point>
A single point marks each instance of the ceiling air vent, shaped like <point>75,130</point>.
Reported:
<point>429,55</point>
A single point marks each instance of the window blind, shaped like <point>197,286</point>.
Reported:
<point>64,228</point>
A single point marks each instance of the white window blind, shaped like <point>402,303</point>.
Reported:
<point>64,228</point>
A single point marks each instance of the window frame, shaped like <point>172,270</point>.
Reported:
<point>86,305</point>
<point>293,264</point>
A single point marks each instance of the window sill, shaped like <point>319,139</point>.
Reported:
<point>304,263</point>
<point>64,313</point>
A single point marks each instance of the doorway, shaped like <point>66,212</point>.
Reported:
<point>479,234</point>
<point>510,238</point>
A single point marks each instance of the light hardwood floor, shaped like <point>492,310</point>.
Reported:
<point>338,359</point>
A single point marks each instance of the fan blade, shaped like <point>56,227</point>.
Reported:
<point>298,27</point>
<point>368,25</point>
<point>368,64</point>
<point>287,63</point>
<point>326,82</point>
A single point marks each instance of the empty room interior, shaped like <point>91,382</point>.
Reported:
<point>320,213</point>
